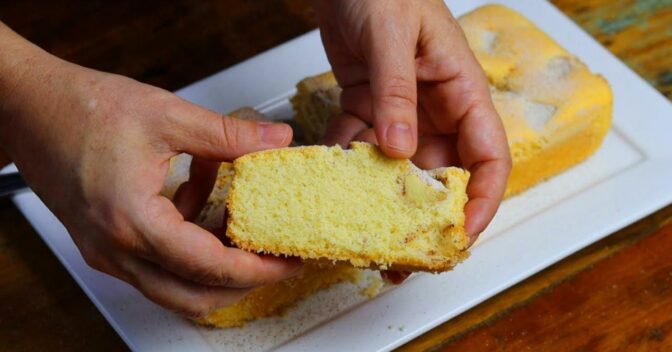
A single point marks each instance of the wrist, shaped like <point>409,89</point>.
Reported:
<point>24,74</point>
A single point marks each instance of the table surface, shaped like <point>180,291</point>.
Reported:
<point>615,294</point>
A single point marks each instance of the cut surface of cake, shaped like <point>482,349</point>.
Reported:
<point>354,205</point>
<point>555,111</point>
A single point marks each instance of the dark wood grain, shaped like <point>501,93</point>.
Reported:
<point>171,44</point>
<point>41,306</point>
<point>622,303</point>
<point>639,32</point>
<point>165,43</point>
<point>4,159</point>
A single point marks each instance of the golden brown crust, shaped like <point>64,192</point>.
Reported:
<point>277,298</point>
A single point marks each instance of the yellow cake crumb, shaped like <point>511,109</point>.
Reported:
<point>355,205</point>
<point>373,288</point>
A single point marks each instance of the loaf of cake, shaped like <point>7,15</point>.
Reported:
<point>555,111</point>
<point>263,301</point>
<point>355,205</point>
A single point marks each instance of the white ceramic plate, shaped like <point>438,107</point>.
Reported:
<point>627,179</point>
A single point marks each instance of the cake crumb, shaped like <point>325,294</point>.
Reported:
<point>373,288</point>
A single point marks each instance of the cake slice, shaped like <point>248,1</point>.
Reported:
<point>356,206</point>
<point>266,300</point>
<point>555,111</point>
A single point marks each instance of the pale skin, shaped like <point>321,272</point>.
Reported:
<point>96,146</point>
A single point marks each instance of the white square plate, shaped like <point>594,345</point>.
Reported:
<point>628,178</point>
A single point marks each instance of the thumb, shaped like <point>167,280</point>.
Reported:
<point>391,61</point>
<point>211,136</point>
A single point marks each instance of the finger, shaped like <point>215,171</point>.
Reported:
<point>192,195</point>
<point>391,60</point>
<point>436,151</point>
<point>356,100</point>
<point>368,135</point>
<point>341,129</point>
<point>178,294</point>
<point>455,96</point>
<point>452,81</point>
<point>211,136</point>
<point>197,255</point>
<point>484,151</point>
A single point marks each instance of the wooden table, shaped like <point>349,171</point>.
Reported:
<point>615,294</point>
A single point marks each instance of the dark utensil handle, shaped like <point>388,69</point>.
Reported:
<point>11,184</point>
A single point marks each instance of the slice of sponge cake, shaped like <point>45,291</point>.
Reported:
<point>352,205</point>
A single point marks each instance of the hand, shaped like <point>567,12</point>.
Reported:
<point>406,68</point>
<point>95,147</point>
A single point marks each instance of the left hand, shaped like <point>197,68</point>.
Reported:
<point>406,68</point>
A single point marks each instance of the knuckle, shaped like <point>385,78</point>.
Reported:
<point>130,242</point>
<point>445,70</point>
<point>194,309</point>
<point>126,239</point>
<point>154,226</point>
<point>199,305</point>
<point>173,109</point>
<point>209,275</point>
<point>230,136</point>
<point>399,91</point>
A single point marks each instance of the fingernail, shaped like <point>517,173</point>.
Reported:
<point>399,136</point>
<point>274,134</point>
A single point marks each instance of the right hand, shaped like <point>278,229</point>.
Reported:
<point>95,147</point>
<point>412,85</point>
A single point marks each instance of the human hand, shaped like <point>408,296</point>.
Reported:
<point>406,69</point>
<point>95,147</point>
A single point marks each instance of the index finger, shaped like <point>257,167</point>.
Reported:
<point>390,58</point>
